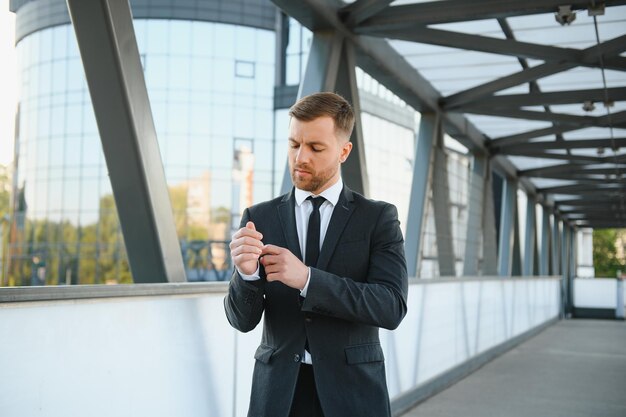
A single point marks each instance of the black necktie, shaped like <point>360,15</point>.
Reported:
<point>313,239</point>
<point>313,232</point>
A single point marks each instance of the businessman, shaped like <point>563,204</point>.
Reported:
<point>325,268</point>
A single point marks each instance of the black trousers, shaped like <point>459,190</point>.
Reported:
<point>305,402</point>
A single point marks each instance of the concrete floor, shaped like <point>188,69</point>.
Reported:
<point>575,368</point>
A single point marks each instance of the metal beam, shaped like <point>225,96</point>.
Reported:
<point>561,145</point>
<point>502,83</point>
<point>387,66</point>
<point>537,133</point>
<point>557,156</point>
<point>360,10</point>
<point>580,189</point>
<point>493,45</point>
<point>602,224</point>
<point>545,172</point>
<point>108,48</point>
<point>549,98</point>
<point>591,211</point>
<point>579,202</point>
<point>581,176</point>
<point>580,121</point>
<point>432,12</point>
<point>591,54</point>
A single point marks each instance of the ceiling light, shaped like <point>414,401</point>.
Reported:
<point>565,16</point>
<point>589,106</point>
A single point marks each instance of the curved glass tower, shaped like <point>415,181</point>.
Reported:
<point>209,70</point>
<point>219,79</point>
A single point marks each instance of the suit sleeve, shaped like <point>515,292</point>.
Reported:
<point>378,300</point>
<point>244,302</point>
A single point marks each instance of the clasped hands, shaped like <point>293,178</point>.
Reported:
<point>247,250</point>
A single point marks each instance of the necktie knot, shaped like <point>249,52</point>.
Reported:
<point>316,201</point>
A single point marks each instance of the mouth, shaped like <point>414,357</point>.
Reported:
<point>301,172</point>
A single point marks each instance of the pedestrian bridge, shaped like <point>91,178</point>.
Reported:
<point>505,339</point>
<point>167,349</point>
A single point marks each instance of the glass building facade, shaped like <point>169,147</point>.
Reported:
<point>211,92</point>
<point>212,81</point>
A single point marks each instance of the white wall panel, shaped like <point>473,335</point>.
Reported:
<point>177,355</point>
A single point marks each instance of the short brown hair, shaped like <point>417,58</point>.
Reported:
<point>325,104</point>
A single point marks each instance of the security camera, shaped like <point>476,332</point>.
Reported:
<point>565,16</point>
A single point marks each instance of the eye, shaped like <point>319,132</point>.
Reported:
<point>317,149</point>
<point>294,145</point>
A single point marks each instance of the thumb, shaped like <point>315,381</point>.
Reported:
<point>250,226</point>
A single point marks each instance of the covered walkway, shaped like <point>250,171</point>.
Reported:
<point>575,368</point>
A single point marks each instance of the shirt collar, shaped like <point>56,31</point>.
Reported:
<point>331,194</point>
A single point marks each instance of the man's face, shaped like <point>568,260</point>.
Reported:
<point>315,153</point>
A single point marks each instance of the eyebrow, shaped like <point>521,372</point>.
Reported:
<point>314,143</point>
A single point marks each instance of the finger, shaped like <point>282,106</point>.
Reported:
<point>246,249</point>
<point>244,231</point>
<point>271,250</point>
<point>250,226</point>
<point>245,257</point>
<point>246,240</point>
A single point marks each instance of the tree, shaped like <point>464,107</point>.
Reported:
<point>605,260</point>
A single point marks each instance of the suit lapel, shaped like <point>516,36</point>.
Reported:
<point>338,221</point>
<point>287,216</point>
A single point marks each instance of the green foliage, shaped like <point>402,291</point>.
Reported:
<point>5,186</point>
<point>95,253</point>
<point>605,260</point>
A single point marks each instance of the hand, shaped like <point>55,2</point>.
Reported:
<point>282,265</point>
<point>245,249</point>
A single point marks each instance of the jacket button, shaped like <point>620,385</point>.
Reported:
<point>296,358</point>
<point>308,319</point>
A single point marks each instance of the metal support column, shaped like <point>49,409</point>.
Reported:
<point>320,75</point>
<point>507,227</point>
<point>490,244</point>
<point>544,263</point>
<point>108,48</point>
<point>476,206</point>
<point>331,67</point>
<point>530,237</point>
<point>565,263</point>
<point>441,205</point>
<point>556,246</point>
<point>354,170</point>
<point>573,257</point>
<point>430,125</point>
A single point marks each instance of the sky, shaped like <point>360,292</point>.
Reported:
<point>8,82</point>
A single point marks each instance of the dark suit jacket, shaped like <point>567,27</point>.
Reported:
<point>359,285</point>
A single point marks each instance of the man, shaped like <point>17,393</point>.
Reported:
<point>327,268</point>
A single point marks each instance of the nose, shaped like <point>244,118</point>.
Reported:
<point>302,155</point>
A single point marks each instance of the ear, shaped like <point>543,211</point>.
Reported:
<point>345,151</point>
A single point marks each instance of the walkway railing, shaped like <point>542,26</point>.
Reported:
<point>167,349</point>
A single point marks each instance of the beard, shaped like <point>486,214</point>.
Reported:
<point>313,182</point>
